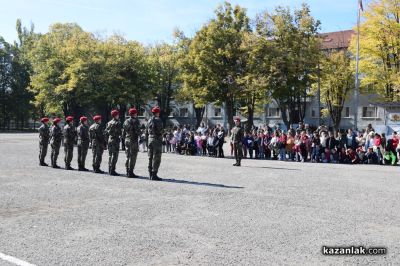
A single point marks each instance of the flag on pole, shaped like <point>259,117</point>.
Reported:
<point>360,5</point>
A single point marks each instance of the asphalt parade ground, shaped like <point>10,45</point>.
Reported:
<point>205,212</point>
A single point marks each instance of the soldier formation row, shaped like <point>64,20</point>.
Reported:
<point>101,140</point>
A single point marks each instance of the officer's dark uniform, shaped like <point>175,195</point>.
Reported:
<point>113,131</point>
<point>131,133</point>
<point>69,141</point>
<point>83,145</point>
<point>44,138</point>
<point>55,142</point>
<point>154,131</point>
<point>98,144</point>
<point>237,138</point>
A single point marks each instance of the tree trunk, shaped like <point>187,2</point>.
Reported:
<point>199,113</point>
<point>285,116</point>
<point>250,117</point>
<point>229,112</point>
<point>122,112</point>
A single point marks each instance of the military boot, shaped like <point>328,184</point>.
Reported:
<point>154,177</point>
<point>130,174</point>
<point>112,172</point>
<point>98,171</point>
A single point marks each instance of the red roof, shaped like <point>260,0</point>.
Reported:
<point>336,40</point>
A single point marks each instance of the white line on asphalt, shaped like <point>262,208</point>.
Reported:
<point>15,260</point>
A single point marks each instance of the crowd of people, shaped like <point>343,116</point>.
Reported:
<point>301,144</point>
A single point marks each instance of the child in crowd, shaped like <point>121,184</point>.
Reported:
<point>389,158</point>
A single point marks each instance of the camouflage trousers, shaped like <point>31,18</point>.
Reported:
<point>55,150</point>
<point>113,150</point>
<point>131,151</point>
<point>43,150</point>
<point>238,151</point>
<point>97,156</point>
<point>82,153</point>
<point>154,152</point>
<point>69,153</point>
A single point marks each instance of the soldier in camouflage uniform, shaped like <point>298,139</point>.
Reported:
<point>131,133</point>
<point>113,132</point>
<point>237,140</point>
<point>83,143</point>
<point>98,143</point>
<point>69,141</point>
<point>154,131</point>
<point>55,141</point>
<point>44,137</point>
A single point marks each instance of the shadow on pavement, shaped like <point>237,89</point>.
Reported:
<point>198,183</point>
<point>274,168</point>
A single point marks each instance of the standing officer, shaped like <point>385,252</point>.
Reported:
<point>113,131</point>
<point>154,131</point>
<point>83,143</point>
<point>237,138</point>
<point>131,133</point>
<point>69,141</point>
<point>98,143</point>
<point>55,141</point>
<point>44,137</point>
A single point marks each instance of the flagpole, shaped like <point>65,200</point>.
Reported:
<point>357,88</point>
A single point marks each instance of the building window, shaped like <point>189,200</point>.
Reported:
<point>314,112</point>
<point>346,112</point>
<point>183,112</point>
<point>217,112</point>
<point>369,112</point>
<point>274,112</point>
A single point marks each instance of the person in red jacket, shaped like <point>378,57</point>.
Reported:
<point>395,141</point>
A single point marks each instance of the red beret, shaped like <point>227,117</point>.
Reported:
<point>97,117</point>
<point>83,118</point>
<point>132,111</point>
<point>156,110</point>
<point>56,120</point>
<point>114,113</point>
<point>44,120</point>
<point>236,118</point>
<point>69,118</point>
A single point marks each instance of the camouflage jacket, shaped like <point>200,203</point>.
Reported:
<point>44,133</point>
<point>237,134</point>
<point>69,133</point>
<point>56,134</point>
<point>83,134</point>
<point>131,129</point>
<point>154,129</point>
<point>96,135</point>
<point>114,131</point>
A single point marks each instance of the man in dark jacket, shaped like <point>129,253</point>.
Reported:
<point>83,143</point>
<point>44,137</point>
<point>69,141</point>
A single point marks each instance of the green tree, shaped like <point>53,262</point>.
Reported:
<point>214,59</point>
<point>164,59</point>
<point>337,80</point>
<point>380,49</point>
<point>254,81</point>
<point>295,59</point>
<point>76,72</point>
<point>15,79</point>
